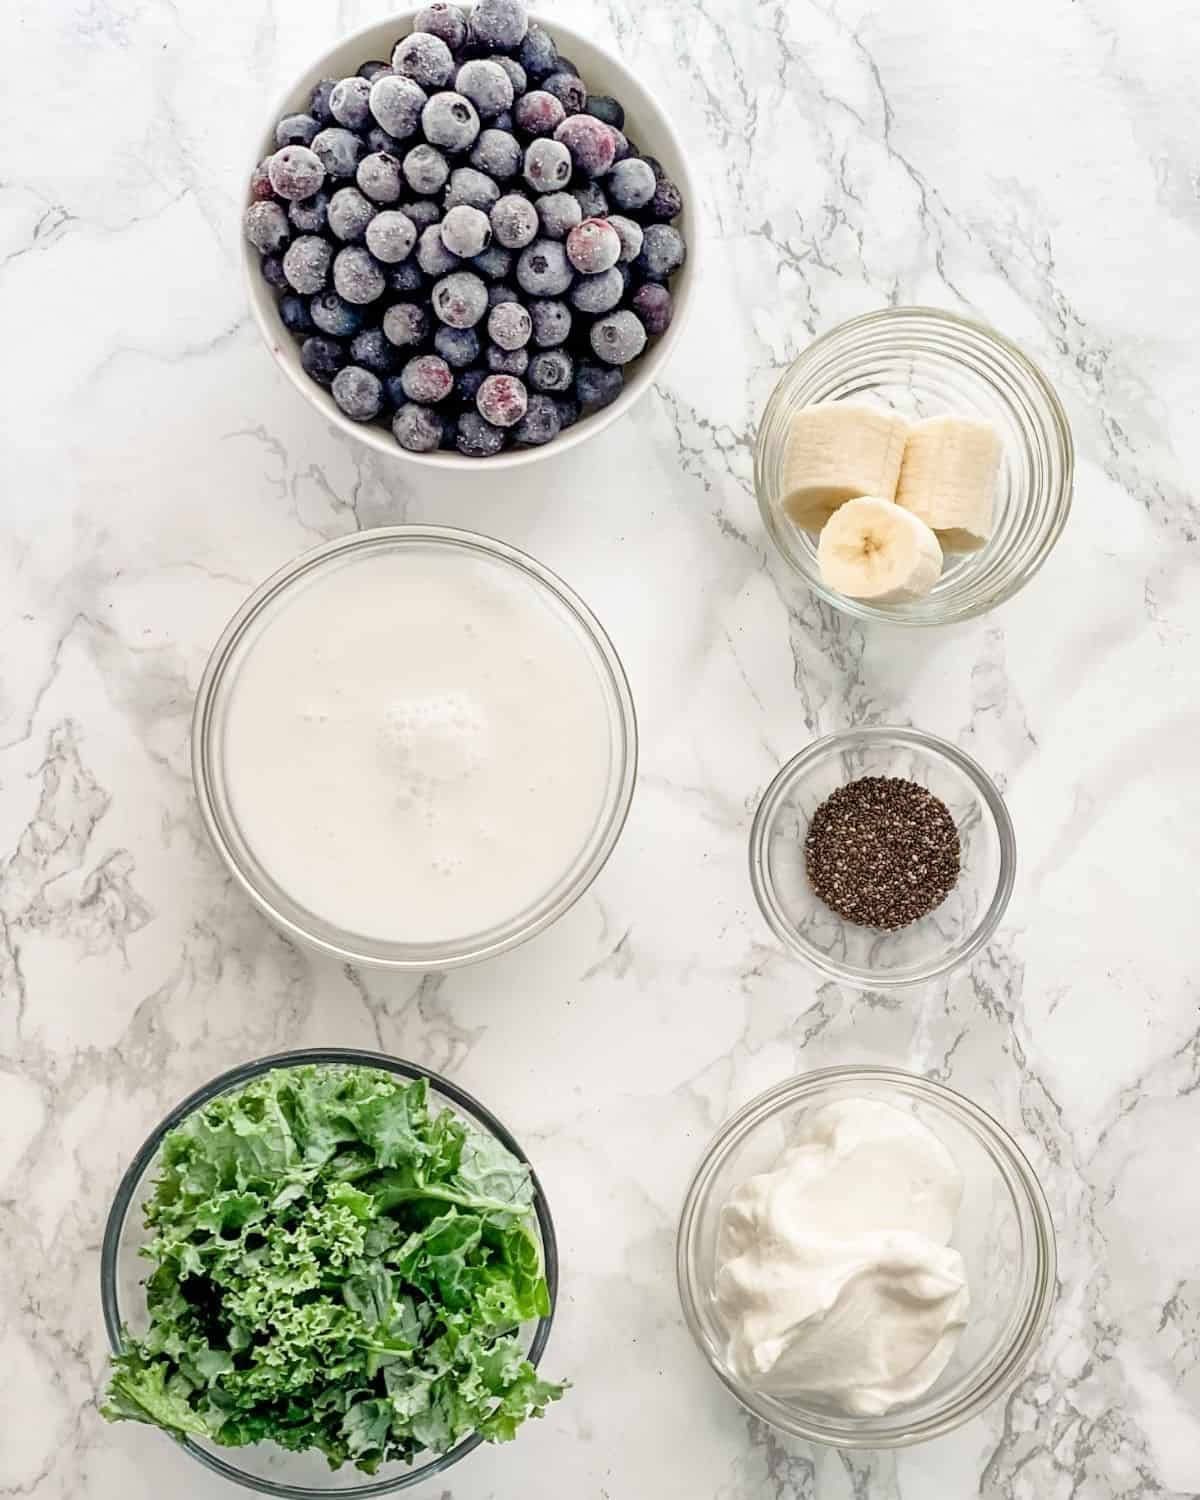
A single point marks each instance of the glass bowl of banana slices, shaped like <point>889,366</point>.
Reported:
<point>914,466</point>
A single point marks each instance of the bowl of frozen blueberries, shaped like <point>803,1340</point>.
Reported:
<point>467,235</point>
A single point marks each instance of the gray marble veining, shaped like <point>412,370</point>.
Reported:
<point>1033,164</point>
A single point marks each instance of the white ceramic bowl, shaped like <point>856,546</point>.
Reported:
<point>648,126</point>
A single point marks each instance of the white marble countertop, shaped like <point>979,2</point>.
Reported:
<point>1033,163</point>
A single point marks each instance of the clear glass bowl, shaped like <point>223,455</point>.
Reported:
<point>923,363</point>
<point>1004,1234</point>
<point>564,609</point>
<point>265,1467</point>
<point>866,957</point>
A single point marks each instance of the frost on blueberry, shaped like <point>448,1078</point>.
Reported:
<point>321,358</point>
<point>543,269</point>
<point>547,165</point>
<point>425,169</point>
<point>593,246</point>
<point>551,371</point>
<point>506,361</point>
<point>460,299</point>
<point>630,235</point>
<point>432,256</point>
<point>296,171</point>
<point>445,21</point>
<point>599,293</point>
<point>417,428</point>
<point>466,231</point>
<point>339,151</point>
<point>425,59</point>
<point>396,103</point>
<point>358,276</point>
<point>405,324</point>
<point>514,221</point>
<point>358,393</point>
<point>309,215</point>
<point>306,264</point>
<point>349,103</point>
<point>663,252</point>
<point>266,227</point>
<point>618,338</point>
<point>509,325</point>
<point>473,188</point>
<point>476,438</point>
<point>497,154</point>
<point>568,88</point>
<point>427,378</point>
<point>538,113</point>
<point>349,214</point>
<point>558,214</point>
<point>653,304</point>
<point>551,322</point>
<point>499,25</point>
<point>591,143</point>
<point>296,130</point>
<point>379,177</point>
<point>450,120</point>
<point>486,85</point>
<point>495,262</point>
<point>630,185</point>
<point>334,315</point>
<point>391,236</point>
<point>537,54</point>
<point>539,425</point>
<point>502,400</point>
<point>372,351</point>
<point>597,385</point>
<point>459,347</point>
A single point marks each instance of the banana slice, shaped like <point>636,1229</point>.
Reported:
<point>948,478</point>
<point>872,549</point>
<point>835,451</point>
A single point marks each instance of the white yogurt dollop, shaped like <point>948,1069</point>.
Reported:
<point>835,1277</point>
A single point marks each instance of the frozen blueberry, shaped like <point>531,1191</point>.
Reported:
<point>593,246</point>
<point>567,65</point>
<point>417,428</point>
<point>427,378</point>
<point>260,182</point>
<point>543,269</point>
<point>476,438</point>
<point>592,202</point>
<point>450,120</point>
<point>506,361</point>
<point>334,315</point>
<point>374,69</point>
<point>597,385</point>
<point>568,88</point>
<point>349,214</point>
<point>397,103</point>
<point>509,325</point>
<point>551,322</point>
<point>591,143</point>
<point>551,371</point>
<point>558,214</point>
<point>306,264</point>
<point>266,227</point>
<point>618,338</point>
<point>599,293</point>
<point>339,150</point>
<point>391,236</point>
<point>296,172</point>
<point>466,387</point>
<point>350,102</point>
<point>547,165</point>
<point>425,59</point>
<point>499,25</point>
<point>309,215</point>
<point>514,221</point>
<point>504,121</point>
<point>476,189</point>
<point>662,252</point>
<point>373,351</point>
<point>405,324</point>
<point>486,85</point>
<point>629,233</point>
<point>605,107</point>
<point>405,277</point>
<point>502,400</point>
<point>378,139</point>
<point>296,130</point>
<point>497,154</point>
<point>624,149</point>
<point>537,54</point>
<point>539,425</point>
<point>460,299</point>
<point>294,312</point>
<point>516,75</point>
<point>321,359</point>
<point>358,393</point>
<point>425,169</point>
<point>538,113</point>
<point>495,262</point>
<point>459,347</point>
<point>630,184</point>
<point>271,267</point>
<point>501,293</point>
<point>358,276</point>
<point>654,306</point>
<point>667,202</point>
<point>318,104</point>
<point>466,231</point>
<point>422,213</point>
<point>379,177</point>
<point>568,411</point>
<point>445,21</point>
<point>432,256</point>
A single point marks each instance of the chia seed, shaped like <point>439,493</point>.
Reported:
<point>882,852</point>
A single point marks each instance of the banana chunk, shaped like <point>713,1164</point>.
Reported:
<point>948,478</point>
<point>836,451</point>
<point>873,549</point>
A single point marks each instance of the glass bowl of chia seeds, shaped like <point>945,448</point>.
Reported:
<point>922,362</point>
<point>882,857</point>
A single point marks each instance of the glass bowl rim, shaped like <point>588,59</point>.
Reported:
<point>1001,1146</point>
<point>1058,423</point>
<point>416,957</point>
<point>764,887</point>
<point>233,1078</point>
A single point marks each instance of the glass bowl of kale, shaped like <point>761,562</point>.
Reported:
<point>329,1272</point>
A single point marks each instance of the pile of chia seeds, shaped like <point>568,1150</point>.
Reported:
<point>882,852</point>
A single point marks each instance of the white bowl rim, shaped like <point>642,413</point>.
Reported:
<point>378,438</point>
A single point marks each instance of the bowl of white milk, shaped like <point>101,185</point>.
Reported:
<point>414,747</point>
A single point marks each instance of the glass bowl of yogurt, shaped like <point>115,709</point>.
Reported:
<point>865,1258</point>
<point>414,747</point>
